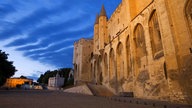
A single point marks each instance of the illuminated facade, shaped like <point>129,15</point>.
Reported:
<point>145,47</point>
<point>14,82</point>
<point>81,61</point>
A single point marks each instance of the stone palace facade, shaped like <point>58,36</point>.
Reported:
<point>145,47</point>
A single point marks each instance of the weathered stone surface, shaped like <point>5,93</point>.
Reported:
<point>81,61</point>
<point>145,48</point>
<point>143,76</point>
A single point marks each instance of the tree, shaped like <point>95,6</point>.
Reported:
<point>6,68</point>
<point>40,78</point>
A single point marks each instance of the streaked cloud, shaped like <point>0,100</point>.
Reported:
<point>39,34</point>
<point>62,49</point>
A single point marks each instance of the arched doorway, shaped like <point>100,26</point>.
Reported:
<point>112,71</point>
<point>141,72</point>
<point>120,62</point>
<point>120,67</point>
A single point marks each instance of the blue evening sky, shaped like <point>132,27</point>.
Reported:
<point>39,34</point>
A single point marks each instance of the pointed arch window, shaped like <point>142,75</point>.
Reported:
<point>140,44</point>
<point>155,34</point>
<point>140,40</point>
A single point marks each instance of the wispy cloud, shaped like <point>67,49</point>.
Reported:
<point>53,44</point>
<point>41,33</point>
<point>62,49</point>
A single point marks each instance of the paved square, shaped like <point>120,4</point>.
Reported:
<point>57,99</point>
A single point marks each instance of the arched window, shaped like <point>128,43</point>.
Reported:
<point>155,34</point>
<point>139,44</point>
<point>188,12</point>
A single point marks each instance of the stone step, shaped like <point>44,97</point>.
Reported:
<point>100,90</point>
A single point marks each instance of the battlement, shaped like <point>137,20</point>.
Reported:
<point>117,11</point>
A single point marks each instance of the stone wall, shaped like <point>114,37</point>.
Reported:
<point>149,51</point>
<point>81,61</point>
<point>156,73</point>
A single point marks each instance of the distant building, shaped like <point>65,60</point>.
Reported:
<point>17,82</point>
<point>55,82</point>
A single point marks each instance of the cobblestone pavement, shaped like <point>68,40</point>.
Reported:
<point>60,99</point>
<point>57,99</point>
